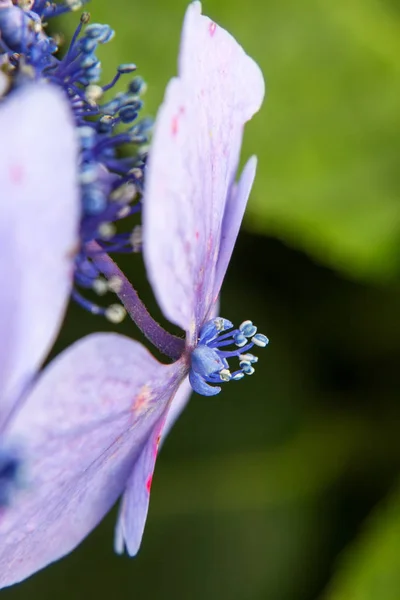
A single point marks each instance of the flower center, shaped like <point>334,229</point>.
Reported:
<point>209,360</point>
<point>111,185</point>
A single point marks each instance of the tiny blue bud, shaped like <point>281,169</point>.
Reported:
<point>127,114</point>
<point>107,35</point>
<point>88,45</point>
<point>136,85</point>
<point>89,61</point>
<point>127,68</point>
<point>248,329</point>
<point>250,358</point>
<point>88,174</point>
<point>94,201</point>
<point>240,340</point>
<point>94,30</point>
<point>246,367</point>
<point>87,137</point>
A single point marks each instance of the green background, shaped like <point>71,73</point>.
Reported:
<point>285,486</point>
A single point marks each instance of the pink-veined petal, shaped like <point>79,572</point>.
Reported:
<point>135,502</point>
<point>192,166</point>
<point>81,430</point>
<point>235,207</point>
<point>40,209</point>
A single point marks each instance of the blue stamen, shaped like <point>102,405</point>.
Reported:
<point>209,364</point>
<point>104,176</point>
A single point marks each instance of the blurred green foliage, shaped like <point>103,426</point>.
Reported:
<point>371,569</point>
<point>280,488</point>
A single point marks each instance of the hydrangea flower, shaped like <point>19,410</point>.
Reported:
<point>93,423</point>
<point>39,213</point>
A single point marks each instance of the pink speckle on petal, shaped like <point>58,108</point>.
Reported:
<point>17,173</point>
<point>174,126</point>
<point>175,120</point>
<point>142,400</point>
<point>211,28</point>
<point>197,235</point>
<point>149,482</point>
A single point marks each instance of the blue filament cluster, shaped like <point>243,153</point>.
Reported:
<point>111,185</point>
<point>209,361</point>
<point>9,475</point>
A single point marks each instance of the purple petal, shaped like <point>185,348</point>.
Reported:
<point>234,211</point>
<point>192,166</point>
<point>135,502</point>
<point>82,429</point>
<point>178,405</point>
<point>39,214</point>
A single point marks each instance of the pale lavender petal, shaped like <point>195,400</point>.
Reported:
<point>8,298</point>
<point>235,207</point>
<point>40,209</point>
<point>177,406</point>
<point>135,502</point>
<point>81,429</point>
<point>192,166</point>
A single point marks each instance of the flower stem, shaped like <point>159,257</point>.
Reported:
<point>165,342</point>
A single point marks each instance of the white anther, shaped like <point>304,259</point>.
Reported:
<point>115,313</point>
<point>136,172</point>
<point>248,358</point>
<point>26,4</point>
<point>4,84</point>
<point>93,94</point>
<point>124,193</point>
<point>26,70</point>
<point>100,286</point>
<point>225,375</point>
<point>143,150</point>
<point>136,238</point>
<point>74,4</point>
<point>106,230</point>
<point>37,26</point>
<point>260,340</point>
<point>115,284</point>
<point>123,212</point>
<point>58,38</point>
<point>238,376</point>
<point>219,323</point>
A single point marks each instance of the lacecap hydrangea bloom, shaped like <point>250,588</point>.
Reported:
<point>38,232</point>
<point>92,425</point>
